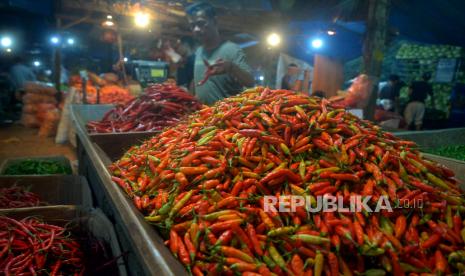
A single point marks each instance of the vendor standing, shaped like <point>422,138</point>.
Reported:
<point>229,71</point>
<point>389,93</point>
<point>415,110</point>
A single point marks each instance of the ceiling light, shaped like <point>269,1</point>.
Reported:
<point>141,19</point>
<point>317,43</point>
<point>273,40</point>
<point>55,40</point>
<point>6,41</point>
<point>331,32</point>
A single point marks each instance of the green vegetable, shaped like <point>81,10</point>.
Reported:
<point>30,166</point>
<point>454,151</point>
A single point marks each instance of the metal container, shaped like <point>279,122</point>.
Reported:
<point>92,221</point>
<point>113,143</point>
<point>457,166</point>
<point>147,254</point>
<point>430,139</point>
<point>54,190</point>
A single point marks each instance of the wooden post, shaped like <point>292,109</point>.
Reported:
<point>84,90</point>
<point>121,58</point>
<point>373,48</point>
<point>57,61</point>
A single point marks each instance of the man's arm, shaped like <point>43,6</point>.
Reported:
<point>243,77</point>
<point>235,66</point>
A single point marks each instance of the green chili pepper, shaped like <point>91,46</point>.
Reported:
<point>268,261</point>
<point>371,251</point>
<point>208,137</point>
<point>281,231</point>
<point>449,221</point>
<point>153,158</point>
<point>285,149</point>
<point>302,169</point>
<point>418,165</point>
<point>207,129</point>
<point>410,268</point>
<point>437,181</point>
<point>180,203</point>
<point>424,219</point>
<point>386,225</point>
<point>276,257</point>
<point>375,272</point>
<point>310,238</point>
<point>319,264</point>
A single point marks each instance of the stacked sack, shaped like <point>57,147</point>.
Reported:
<point>40,108</point>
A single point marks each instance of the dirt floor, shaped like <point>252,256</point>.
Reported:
<point>18,141</point>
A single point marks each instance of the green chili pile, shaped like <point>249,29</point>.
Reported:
<point>456,152</point>
<point>35,166</point>
<point>203,184</point>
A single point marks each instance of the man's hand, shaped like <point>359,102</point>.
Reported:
<point>221,67</point>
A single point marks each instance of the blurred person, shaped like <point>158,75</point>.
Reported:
<point>185,67</point>
<point>357,94</point>
<point>457,106</point>
<point>20,74</point>
<point>415,110</point>
<point>390,91</point>
<point>227,66</point>
<point>319,94</point>
<point>289,80</point>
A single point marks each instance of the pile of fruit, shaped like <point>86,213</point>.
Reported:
<point>415,51</point>
<point>160,106</point>
<point>203,184</point>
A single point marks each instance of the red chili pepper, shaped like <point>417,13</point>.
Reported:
<point>182,252</point>
<point>253,238</point>
<point>174,239</point>
<point>441,263</point>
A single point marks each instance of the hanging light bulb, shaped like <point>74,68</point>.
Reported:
<point>108,22</point>
<point>141,19</point>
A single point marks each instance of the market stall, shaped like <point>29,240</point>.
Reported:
<point>217,172</point>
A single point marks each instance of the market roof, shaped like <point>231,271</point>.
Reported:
<point>433,21</point>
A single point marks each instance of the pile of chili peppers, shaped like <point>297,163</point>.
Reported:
<point>32,247</point>
<point>160,106</point>
<point>203,182</point>
<point>18,197</point>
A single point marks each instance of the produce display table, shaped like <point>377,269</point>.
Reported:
<point>147,254</point>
